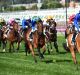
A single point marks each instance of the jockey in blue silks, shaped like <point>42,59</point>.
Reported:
<point>34,21</point>
<point>33,26</point>
<point>76,25</point>
<point>24,24</point>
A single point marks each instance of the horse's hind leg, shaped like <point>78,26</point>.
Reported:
<point>0,43</point>
<point>47,45</point>
<point>44,49</point>
<point>13,47</point>
<point>18,44</point>
<point>56,46</point>
<point>51,45</point>
<point>10,47</point>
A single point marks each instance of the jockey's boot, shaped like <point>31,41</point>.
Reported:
<point>31,35</point>
<point>73,38</point>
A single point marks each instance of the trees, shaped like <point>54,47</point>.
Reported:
<point>46,4</point>
<point>49,4</point>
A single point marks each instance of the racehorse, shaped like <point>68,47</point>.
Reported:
<point>52,34</point>
<point>2,40</point>
<point>39,38</point>
<point>72,47</point>
<point>12,35</point>
<point>37,42</point>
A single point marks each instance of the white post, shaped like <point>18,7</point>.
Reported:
<point>39,4</point>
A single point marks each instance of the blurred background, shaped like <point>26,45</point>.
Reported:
<point>60,10</point>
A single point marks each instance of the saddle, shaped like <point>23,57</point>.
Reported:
<point>31,34</point>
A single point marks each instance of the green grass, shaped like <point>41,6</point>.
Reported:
<point>54,64</point>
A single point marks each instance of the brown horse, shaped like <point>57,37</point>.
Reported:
<point>52,34</point>
<point>72,47</point>
<point>2,40</point>
<point>13,36</point>
<point>39,39</point>
<point>37,42</point>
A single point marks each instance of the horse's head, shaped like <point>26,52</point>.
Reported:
<point>15,26</point>
<point>52,23</point>
<point>69,30</point>
<point>40,26</point>
<point>4,28</point>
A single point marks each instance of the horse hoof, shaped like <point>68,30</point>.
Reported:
<point>35,61</point>
<point>29,52</point>
<point>57,51</point>
<point>42,57</point>
<point>48,52</point>
<point>26,54</point>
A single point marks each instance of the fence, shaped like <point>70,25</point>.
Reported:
<point>58,14</point>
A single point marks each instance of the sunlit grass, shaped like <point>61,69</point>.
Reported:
<point>54,64</point>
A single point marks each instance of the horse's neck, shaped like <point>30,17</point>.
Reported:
<point>40,28</point>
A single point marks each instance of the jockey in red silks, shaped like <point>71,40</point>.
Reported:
<point>11,22</point>
<point>10,26</point>
<point>71,19</point>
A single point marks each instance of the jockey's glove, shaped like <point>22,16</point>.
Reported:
<point>26,26</point>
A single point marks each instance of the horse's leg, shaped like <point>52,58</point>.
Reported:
<point>10,47</point>
<point>0,43</point>
<point>32,51</point>
<point>18,45</point>
<point>48,48</point>
<point>26,49</point>
<point>4,45</point>
<point>47,45</point>
<point>56,46</point>
<point>12,44</point>
<point>50,45</point>
<point>44,49</point>
<point>73,54</point>
<point>40,54</point>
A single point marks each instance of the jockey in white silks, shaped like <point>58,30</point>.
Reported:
<point>45,24</point>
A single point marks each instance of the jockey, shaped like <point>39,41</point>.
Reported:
<point>11,22</point>
<point>45,23</point>
<point>76,25</point>
<point>34,26</point>
<point>71,19</point>
<point>26,23</point>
